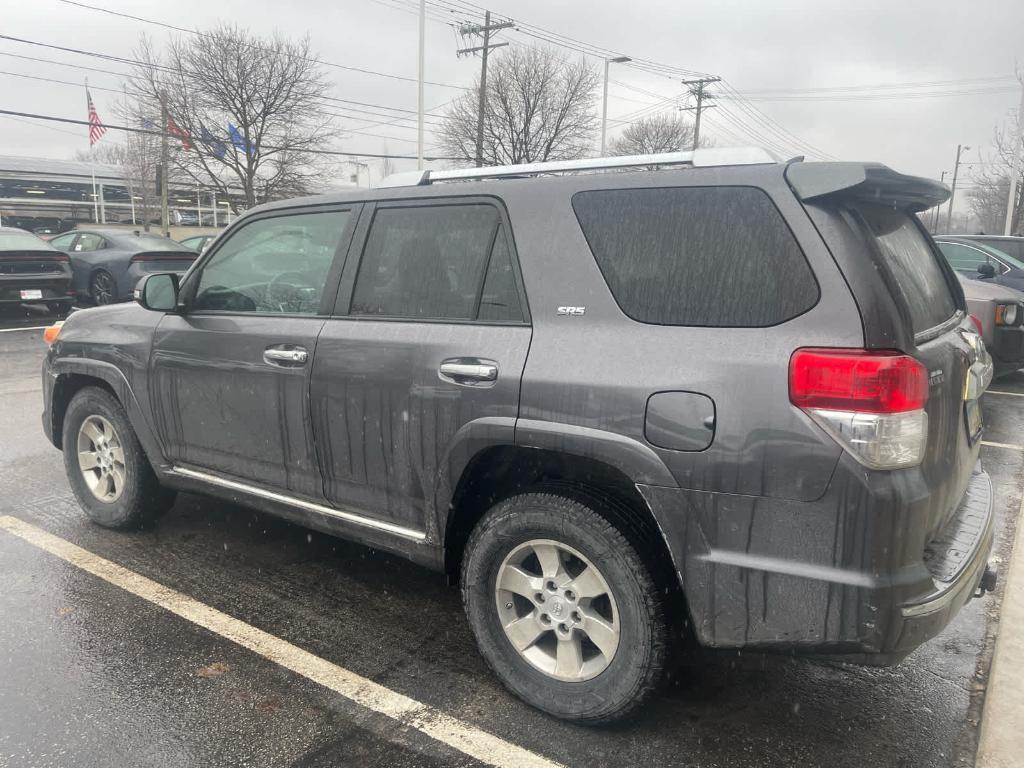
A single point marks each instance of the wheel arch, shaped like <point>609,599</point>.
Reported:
<point>71,376</point>
<point>497,472</point>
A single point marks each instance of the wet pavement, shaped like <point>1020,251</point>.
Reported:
<point>92,675</point>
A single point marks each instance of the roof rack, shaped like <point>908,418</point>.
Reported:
<point>710,156</point>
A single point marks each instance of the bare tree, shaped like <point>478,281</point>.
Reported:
<point>537,106</point>
<point>988,196</point>
<point>662,132</point>
<point>251,108</point>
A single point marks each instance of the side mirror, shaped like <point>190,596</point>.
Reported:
<point>157,292</point>
<point>986,270</point>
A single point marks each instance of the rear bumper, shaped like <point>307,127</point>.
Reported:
<point>1007,349</point>
<point>52,288</point>
<point>851,576</point>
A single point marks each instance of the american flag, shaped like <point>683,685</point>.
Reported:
<point>96,126</point>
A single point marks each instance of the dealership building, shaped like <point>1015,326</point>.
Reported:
<point>58,195</point>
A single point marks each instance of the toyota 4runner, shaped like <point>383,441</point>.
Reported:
<point>709,393</point>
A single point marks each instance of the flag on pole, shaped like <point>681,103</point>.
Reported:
<point>96,126</point>
<point>174,130</point>
<point>218,147</point>
<point>238,140</point>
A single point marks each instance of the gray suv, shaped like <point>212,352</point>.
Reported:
<point>718,397</point>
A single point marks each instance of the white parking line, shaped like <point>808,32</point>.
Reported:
<point>32,328</point>
<point>1008,394</point>
<point>1011,446</point>
<point>457,734</point>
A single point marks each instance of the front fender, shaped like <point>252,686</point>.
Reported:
<point>64,368</point>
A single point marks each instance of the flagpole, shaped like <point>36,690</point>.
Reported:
<point>92,166</point>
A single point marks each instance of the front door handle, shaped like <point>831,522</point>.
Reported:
<point>469,371</point>
<point>286,355</point>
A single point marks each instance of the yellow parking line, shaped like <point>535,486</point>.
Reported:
<point>448,730</point>
<point>1011,446</point>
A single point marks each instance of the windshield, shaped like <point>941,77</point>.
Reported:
<point>22,241</point>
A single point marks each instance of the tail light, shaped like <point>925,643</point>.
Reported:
<point>871,402</point>
<point>977,324</point>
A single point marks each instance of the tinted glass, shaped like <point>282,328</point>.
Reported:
<point>963,258</point>
<point>499,302</point>
<point>273,265</point>
<point>425,262</point>
<point>914,267</point>
<point>703,256</point>
<point>22,241</point>
<point>64,241</point>
<point>1013,248</point>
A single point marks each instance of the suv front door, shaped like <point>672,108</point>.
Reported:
<point>423,363</point>
<point>230,372</point>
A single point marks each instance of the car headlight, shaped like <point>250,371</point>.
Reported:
<point>1007,314</point>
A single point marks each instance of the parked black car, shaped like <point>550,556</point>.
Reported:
<point>978,261</point>
<point>107,263</point>
<point>740,396</point>
<point>33,272</point>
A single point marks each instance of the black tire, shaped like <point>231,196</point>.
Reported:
<point>102,288</point>
<point>142,499</point>
<point>637,665</point>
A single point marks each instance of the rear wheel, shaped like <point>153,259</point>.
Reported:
<point>102,289</point>
<point>563,608</point>
<point>106,466</point>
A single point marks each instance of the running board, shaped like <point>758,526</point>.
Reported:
<point>309,506</point>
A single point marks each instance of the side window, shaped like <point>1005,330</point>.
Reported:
<point>698,256</point>
<point>963,258</point>
<point>89,241</point>
<point>425,261</point>
<point>499,301</point>
<point>273,265</point>
<point>63,243</point>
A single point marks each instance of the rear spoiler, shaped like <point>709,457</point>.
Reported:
<point>866,182</point>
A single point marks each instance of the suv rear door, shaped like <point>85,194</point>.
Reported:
<point>422,362</point>
<point>230,373</point>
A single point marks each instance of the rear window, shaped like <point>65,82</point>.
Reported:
<point>913,264</point>
<point>698,256</point>
<point>153,243</point>
<point>22,241</point>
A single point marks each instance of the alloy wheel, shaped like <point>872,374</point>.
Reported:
<point>101,458</point>
<point>557,610</point>
<point>102,288</point>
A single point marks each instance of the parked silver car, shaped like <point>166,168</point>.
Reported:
<point>999,313</point>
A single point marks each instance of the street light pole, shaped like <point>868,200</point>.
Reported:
<point>604,98</point>
<point>1011,199</point>
<point>952,187</point>
<point>419,107</point>
<point>938,208</point>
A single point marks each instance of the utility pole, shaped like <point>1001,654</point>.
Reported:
<point>935,216</point>
<point>604,98</point>
<point>419,107</point>
<point>165,156</point>
<point>1015,164</point>
<point>485,33</point>
<point>952,189</point>
<point>697,89</point>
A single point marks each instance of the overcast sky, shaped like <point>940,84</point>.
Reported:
<point>756,45</point>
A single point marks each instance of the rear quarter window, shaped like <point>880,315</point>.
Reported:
<point>913,264</point>
<point>697,256</point>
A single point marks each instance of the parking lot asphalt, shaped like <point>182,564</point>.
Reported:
<point>92,674</point>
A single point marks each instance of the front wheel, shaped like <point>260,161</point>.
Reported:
<point>563,608</point>
<point>106,466</point>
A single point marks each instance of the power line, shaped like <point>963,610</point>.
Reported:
<point>150,132</point>
<point>196,32</point>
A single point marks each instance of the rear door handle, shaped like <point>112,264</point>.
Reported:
<point>469,371</point>
<point>285,356</point>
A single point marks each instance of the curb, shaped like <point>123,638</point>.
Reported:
<point>1001,744</point>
